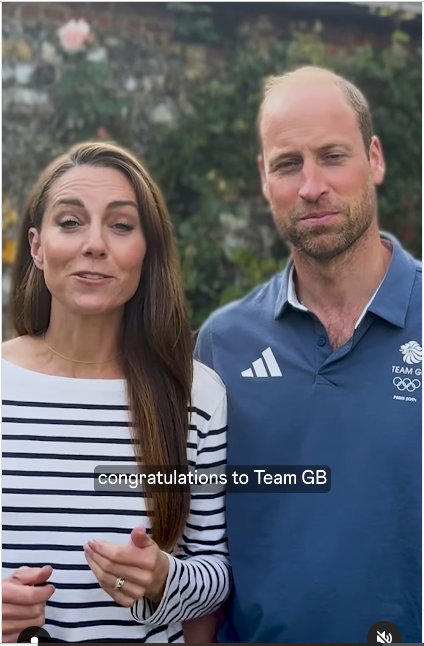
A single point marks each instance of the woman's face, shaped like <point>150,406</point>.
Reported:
<point>91,246</point>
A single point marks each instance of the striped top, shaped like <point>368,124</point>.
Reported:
<point>56,430</point>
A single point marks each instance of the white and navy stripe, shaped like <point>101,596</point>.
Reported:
<point>56,430</point>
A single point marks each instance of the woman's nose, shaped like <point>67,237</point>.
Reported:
<point>95,245</point>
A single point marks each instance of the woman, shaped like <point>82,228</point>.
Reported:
<point>101,374</point>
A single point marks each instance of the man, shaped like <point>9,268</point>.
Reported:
<point>323,367</point>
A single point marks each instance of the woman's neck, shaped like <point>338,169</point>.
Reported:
<point>83,346</point>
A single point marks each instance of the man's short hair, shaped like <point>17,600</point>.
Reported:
<point>354,97</point>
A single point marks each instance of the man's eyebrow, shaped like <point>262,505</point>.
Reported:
<point>275,161</point>
<point>112,205</point>
<point>294,154</point>
<point>335,144</point>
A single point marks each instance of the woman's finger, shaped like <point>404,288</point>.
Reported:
<point>126,554</point>
<point>108,581</point>
<point>132,574</point>
<point>12,611</point>
<point>10,639</point>
<point>18,625</point>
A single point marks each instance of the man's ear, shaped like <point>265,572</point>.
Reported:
<point>36,248</point>
<point>378,165</point>
<point>261,167</point>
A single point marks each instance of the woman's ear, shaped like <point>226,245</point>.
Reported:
<point>36,248</point>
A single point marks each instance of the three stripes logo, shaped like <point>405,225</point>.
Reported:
<point>259,367</point>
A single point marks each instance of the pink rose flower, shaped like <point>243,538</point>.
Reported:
<point>102,133</point>
<point>73,35</point>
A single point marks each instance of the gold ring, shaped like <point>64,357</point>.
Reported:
<point>119,583</point>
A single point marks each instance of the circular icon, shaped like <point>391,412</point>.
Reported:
<point>34,635</point>
<point>406,384</point>
<point>384,632</point>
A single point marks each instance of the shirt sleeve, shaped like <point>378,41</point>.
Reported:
<point>199,578</point>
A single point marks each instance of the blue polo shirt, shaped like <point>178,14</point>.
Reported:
<point>324,567</point>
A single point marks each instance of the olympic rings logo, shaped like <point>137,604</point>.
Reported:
<point>406,384</point>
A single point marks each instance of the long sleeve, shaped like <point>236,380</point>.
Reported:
<point>199,577</point>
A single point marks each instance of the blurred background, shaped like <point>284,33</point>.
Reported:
<point>180,84</point>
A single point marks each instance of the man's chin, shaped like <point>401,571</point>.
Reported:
<point>323,245</point>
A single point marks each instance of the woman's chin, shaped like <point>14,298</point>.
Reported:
<point>93,307</point>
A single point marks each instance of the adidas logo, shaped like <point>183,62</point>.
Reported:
<point>258,367</point>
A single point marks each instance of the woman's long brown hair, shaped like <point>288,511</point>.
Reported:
<point>156,340</point>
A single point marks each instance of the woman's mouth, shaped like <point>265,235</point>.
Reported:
<point>92,277</point>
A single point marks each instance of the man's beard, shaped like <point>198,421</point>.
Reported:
<point>327,241</point>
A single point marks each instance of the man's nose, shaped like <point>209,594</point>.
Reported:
<point>313,183</point>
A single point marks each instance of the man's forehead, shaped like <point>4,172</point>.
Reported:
<point>292,95</point>
<point>318,110</point>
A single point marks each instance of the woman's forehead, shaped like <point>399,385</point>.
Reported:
<point>98,181</point>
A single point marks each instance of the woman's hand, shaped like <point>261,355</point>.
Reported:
<point>23,604</point>
<point>141,565</point>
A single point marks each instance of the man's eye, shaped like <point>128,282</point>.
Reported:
<point>335,156</point>
<point>287,166</point>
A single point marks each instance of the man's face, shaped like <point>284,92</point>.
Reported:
<point>316,173</point>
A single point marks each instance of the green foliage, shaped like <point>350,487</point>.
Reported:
<point>254,270</point>
<point>207,165</point>
<point>193,22</point>
<point>87,100</point>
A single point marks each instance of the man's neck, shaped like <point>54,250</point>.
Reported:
<point>348,282</point>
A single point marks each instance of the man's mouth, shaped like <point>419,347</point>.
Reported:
<point>315,215</point>
<point>319,217</point>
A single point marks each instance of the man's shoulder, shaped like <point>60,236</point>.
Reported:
<point>258,302</point>
<point>418,267</point>
<point>417,287</point>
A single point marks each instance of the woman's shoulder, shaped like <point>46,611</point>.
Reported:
<point>208,388</point>
<point>203,376</point>
<point>19,350</point>
<point>8,348</point>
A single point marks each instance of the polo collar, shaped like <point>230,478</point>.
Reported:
<point>390,301</point>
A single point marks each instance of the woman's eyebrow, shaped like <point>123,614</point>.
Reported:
<point>117,203</point>
<point>112,205</point>
<point>69,201</point>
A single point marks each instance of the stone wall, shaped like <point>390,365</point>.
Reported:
<point>147,66</point>
<point>150,60</point>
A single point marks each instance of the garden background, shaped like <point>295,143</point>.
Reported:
<point>180,84</point>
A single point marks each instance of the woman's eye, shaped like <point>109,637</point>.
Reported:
<point>121,226</point>
<point>68,224</point>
